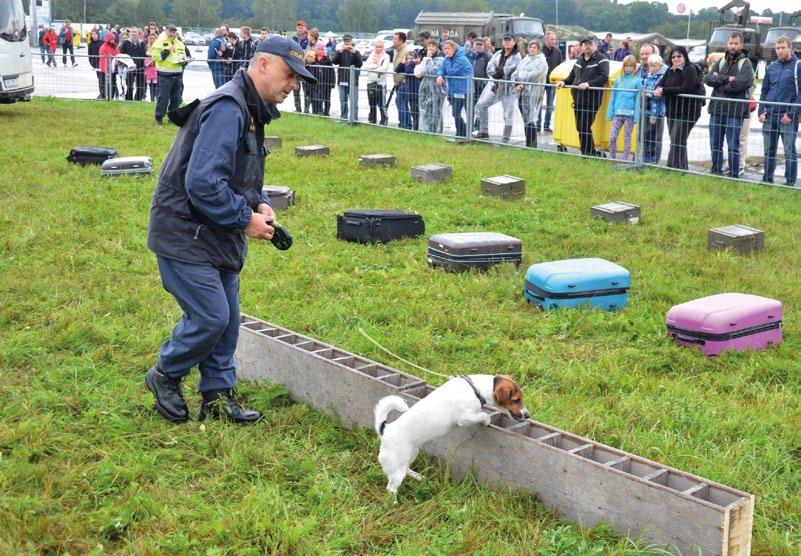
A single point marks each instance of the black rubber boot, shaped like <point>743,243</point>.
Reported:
<point>221,404</point>
<point>170,401</point>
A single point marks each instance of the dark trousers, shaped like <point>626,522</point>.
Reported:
<point>457,106</point>
<point>296,96</point>
<point>408,109</point>
<point>207,333</point>
<point>547,107</point>
<point>375,99</point>
<point>135,85</point>
<point>321,100</point>
<point>64,48</point>
<point>727,127</point>
<point>218,75</point>
<point>679,131</point>
<point>101,84</point>
<point>585,116</point>
<point>171,88</point>
<point>108,85</point>
<point>154,91</point>
<point>309,93</point>
<point>652,149</point>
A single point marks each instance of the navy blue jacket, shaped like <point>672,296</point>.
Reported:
<point>212,179</point>
<point>457,71</point>
<point>782,84</point>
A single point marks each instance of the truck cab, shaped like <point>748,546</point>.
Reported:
<point>16,73</point>
<point>485,24</point>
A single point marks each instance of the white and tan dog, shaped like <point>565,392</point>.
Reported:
<point>457,403</point>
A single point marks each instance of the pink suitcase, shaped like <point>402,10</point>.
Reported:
<point>735,321</point>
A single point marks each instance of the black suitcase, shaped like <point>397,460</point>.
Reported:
<point>378,226</point>
<point>91,155</point>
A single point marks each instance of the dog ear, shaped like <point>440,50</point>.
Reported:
<point>503,388</point>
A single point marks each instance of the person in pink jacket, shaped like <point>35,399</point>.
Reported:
<point>151,75</point>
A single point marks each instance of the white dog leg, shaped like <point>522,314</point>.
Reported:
<point>414,475</point>
<point>395,481</point>
<point>479,418</point>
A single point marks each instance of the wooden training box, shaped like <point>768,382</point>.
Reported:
<point>741,239</point>
<point>432,172</point>
<point>281,196</point>
<point>272,142</point>
<point>579,479</point>
<point>616,212</point>
<point>504,186</point>
<point>377,160</point>
<point>312,150</point>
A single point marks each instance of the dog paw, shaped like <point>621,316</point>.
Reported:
<point>485,422</point>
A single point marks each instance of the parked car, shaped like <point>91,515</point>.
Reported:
<point>697,54</point>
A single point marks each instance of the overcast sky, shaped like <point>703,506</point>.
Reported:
<point>756,5</point>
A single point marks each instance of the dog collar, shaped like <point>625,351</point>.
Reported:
<point>475,390</point>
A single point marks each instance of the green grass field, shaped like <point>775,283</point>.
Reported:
<point>86,465</point>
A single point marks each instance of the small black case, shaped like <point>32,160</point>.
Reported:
<point>91,155</point>
<point>378,226</point>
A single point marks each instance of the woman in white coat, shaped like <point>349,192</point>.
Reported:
<point>530,77</point>
<point>431,97</point>
<point>377,66</point>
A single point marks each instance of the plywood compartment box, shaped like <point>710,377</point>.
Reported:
<point>617,212</point>
<point>272,142</point>
<point>432,172</point>
<point>504,186</point>
<point>312,150</point>
<point>741,239</point>
<point>579,479</point>
<point>377,160</point>
<point>281,196</point>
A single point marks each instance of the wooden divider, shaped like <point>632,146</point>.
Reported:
<point>579,479</point>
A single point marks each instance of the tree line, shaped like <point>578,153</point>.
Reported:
<point>371,15</point>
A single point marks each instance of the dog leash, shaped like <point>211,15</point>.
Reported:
<point>396,356</point>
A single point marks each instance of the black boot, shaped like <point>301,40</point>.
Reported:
<point>533,143</point>
<point>170,401</point>
<point>220,404</point>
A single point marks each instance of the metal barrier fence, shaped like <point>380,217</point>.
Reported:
<point>682,135</point>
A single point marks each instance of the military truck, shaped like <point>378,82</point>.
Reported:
<point>719,36</point>
<point>486,24</point>
<point>793,31</point>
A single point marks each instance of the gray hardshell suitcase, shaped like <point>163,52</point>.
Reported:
<point>281,196</point>
<point>463,251</point>
<point>127,165</point>
<point>616,212</point>
<point>504,186</point>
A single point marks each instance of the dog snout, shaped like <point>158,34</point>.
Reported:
<point>523,414</point>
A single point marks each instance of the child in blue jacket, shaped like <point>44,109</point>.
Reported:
<point>623,106</point>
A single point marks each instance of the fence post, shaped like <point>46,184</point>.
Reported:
<point>469,107</point>
<point>107,83</point>
<point>638,153</point>
<point>353,93</point>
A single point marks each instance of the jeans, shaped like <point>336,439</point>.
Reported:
<point>64,48</point>
<point>772,129</point>
<point>728,127</point>
<point>548,107</point>
<point>457,106</point>
<point>218,75</point>
<point>171,88</point>
<point>652,149</point>
<point>42,52</point>
<point>208,331</point>
<point>344,93</point>
<point>402,99</point>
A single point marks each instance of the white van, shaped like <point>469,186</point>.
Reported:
<point>16,73</point>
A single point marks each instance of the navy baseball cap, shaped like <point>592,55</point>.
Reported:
<point>290,51</point>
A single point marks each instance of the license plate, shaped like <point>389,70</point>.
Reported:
<point>11,83</point>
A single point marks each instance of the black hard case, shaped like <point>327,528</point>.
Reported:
<point>91,155</point>
<point>462,251</point>
<point>378,226</point>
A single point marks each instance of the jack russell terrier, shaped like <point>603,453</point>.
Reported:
<point>457,403</point>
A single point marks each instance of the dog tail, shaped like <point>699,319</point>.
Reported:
<point>383,408</point>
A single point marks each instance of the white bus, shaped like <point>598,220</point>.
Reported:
<point>16,73</point>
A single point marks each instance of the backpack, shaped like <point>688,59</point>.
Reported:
<point>700,91</point>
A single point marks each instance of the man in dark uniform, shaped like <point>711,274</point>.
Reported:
<point>590,72</point>
<point>208,199</point>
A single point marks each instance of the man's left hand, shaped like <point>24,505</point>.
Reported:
<point>267,211</point>
<point>786,119</point>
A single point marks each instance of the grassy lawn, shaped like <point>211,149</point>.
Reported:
<point>86,465</point>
